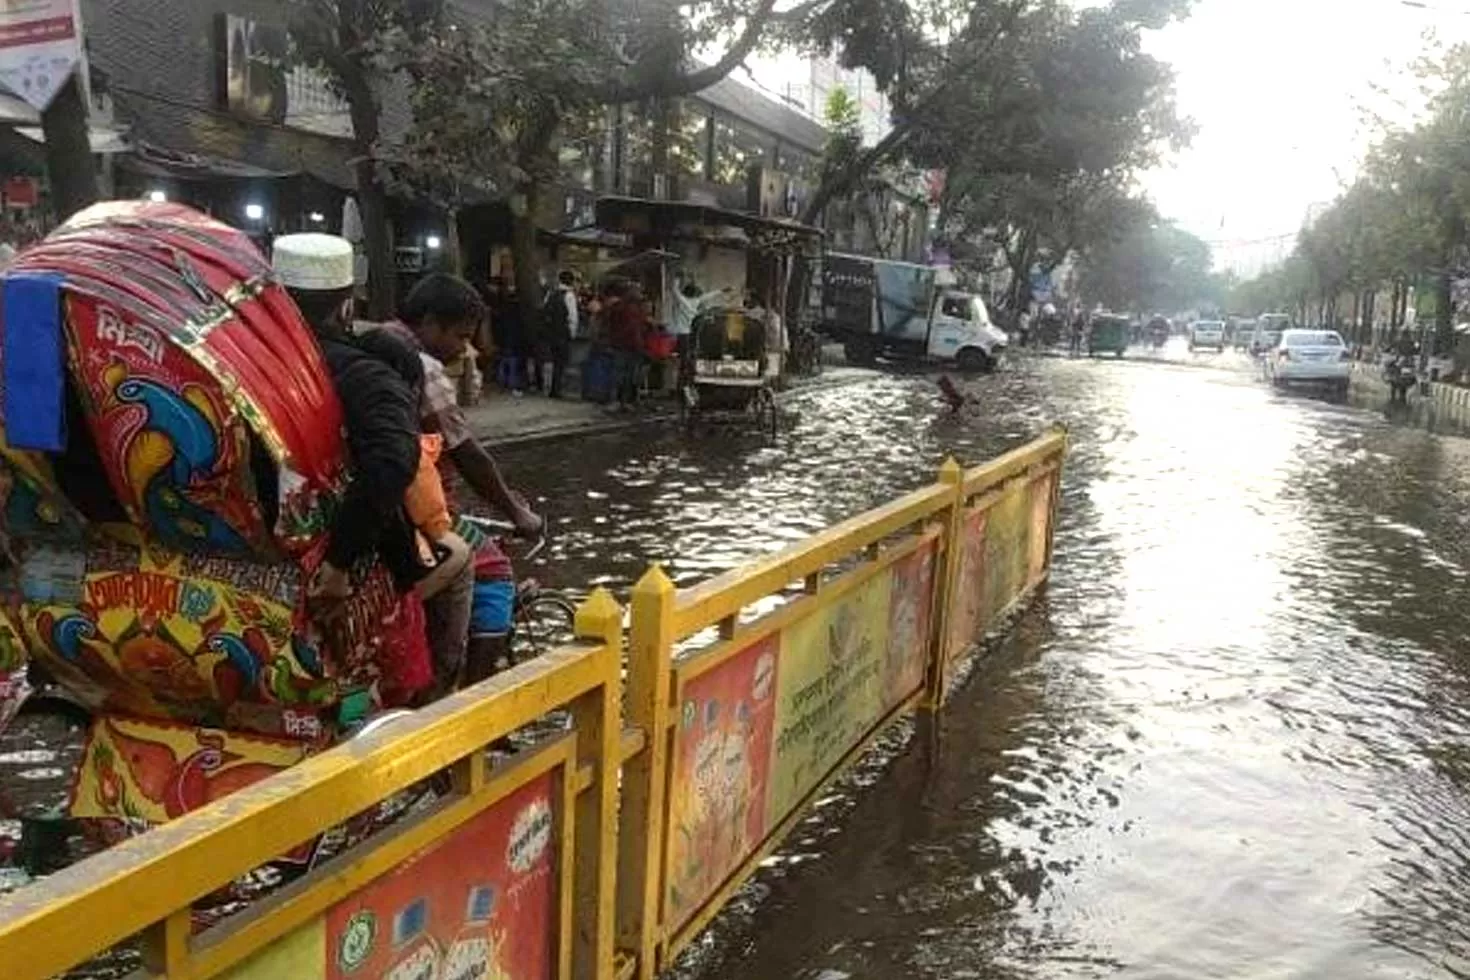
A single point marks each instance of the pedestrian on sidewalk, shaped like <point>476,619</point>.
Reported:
<point>510,338</point>
<point>560,321</point>
<point>627,324</point>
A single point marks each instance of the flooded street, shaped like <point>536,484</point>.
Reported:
<point>1232,739</point>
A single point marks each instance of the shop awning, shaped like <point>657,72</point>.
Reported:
<point>155,161</point>
<point>651,220</point>
<point>104,136</point>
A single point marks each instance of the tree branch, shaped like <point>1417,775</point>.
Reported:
<point>675,86</point>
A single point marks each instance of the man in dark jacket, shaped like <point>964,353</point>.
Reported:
<point>380,414</point>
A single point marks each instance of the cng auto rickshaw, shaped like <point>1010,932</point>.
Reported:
<point>1108,333</point>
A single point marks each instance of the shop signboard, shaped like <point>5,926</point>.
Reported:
<point>40,47</point>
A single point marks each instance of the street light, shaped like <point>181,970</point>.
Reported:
<point>157,196</point>
<point>434,242</point>
<point>317,217</point>
<point>255,212</point>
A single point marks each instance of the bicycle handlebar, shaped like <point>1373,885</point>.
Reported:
<point>492,525</point>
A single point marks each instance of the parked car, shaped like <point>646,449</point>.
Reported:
<point>1207,333</point>
<point>1268,332</point>
<point>1316,357</point>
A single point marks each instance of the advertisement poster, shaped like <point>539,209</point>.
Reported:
<point>910,615</point>
<point>1007,551</point>
<point>477,905</point>
<point>720,774</point>
<point>1041,492</point>
<point>830,689</point>
<point>967,617</point>
<point>40,46</point>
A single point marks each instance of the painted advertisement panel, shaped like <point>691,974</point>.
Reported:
<point>830,690</point>
<point>760,731</point>
<point>720,773</point>
<point>1007,551</point>
<point>479,904</point>
<point>910,621</point>
<point>967,606</point>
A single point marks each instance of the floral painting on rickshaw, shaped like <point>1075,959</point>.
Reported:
<point>720,772</point>
<point>144,771</point>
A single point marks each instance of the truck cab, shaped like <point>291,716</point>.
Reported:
<point>960,330</point>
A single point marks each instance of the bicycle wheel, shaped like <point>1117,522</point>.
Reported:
<point>544,621</point>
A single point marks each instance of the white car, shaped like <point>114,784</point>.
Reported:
<point>1207,333</point>
<point>1310,357</point>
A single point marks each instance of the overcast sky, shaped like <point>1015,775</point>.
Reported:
<point>1278,88</point>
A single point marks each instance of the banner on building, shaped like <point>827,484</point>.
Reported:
<point>40,47</point>
<point>260,83</point>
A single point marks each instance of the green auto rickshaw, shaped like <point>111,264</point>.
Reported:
<point>1108,333</point>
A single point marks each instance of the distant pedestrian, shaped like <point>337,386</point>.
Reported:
<point>627,324</point>
<point>560,321</point>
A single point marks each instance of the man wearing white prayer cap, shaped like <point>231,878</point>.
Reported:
<point>380,414</point>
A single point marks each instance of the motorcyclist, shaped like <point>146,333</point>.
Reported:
<point>438,317</point>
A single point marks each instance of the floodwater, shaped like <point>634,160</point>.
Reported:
<point>1232,740</point>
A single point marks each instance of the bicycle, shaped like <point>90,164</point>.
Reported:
<point>541,618</point>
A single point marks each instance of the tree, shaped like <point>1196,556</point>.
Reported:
<point>1042,166</point>
<point>1154,267</point>
<point>494,96</point>
<point>346,40</point>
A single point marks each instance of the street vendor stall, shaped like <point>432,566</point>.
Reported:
<point>744,254</point>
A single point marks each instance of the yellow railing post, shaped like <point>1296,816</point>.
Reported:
<point>641,843</point>
<point>952,475</point>
<point>597,720</point>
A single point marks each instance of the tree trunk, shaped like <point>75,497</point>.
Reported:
<point>1444,313</point>
<point>525,203</point>
<point>69,163</point>
<point>377,232</point>
<point>453,248</point>
<point>372,199</point>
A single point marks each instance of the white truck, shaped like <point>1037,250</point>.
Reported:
<point>882,308</point>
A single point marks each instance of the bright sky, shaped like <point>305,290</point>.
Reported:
<point>1277,89</point>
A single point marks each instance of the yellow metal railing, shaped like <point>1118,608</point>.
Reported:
<point>729,728</point>
<point>146,886</point>
<point>745,732</point>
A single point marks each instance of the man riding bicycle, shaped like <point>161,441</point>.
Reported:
<point>439,317</point>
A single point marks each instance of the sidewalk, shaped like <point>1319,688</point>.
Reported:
<point>503,420</point>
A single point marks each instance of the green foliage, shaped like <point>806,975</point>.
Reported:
<point>1042,143</point>
<point>1153,266</point>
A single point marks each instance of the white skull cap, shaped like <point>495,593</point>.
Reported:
<point>314,261</point>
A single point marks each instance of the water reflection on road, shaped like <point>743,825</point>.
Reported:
<point>1232,741</point>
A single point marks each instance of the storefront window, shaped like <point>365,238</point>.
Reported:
<point>737,149</point>
<point>688,140</point>
<point>795,163</point>
<point>637,147</point>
